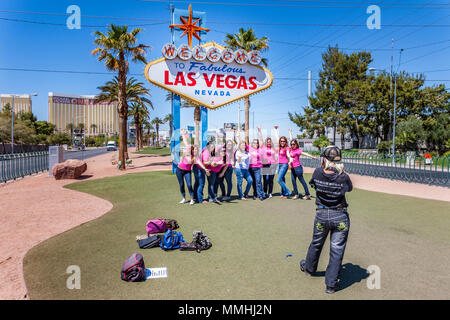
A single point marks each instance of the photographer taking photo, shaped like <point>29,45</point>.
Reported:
<point>331,183</point>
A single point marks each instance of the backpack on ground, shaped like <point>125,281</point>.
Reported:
<point>171,240</point>
<point>161,225</point>
<point>172,224</point>
<point>150,242</point>
<point>133,269</point>
<point>202,241</point>
<point>156,226</point>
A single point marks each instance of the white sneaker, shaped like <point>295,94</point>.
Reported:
<point>270,195</point>
<point>183,201</point>
<point>191,202</point>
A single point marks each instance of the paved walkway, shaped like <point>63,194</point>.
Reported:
<point>37,208</point>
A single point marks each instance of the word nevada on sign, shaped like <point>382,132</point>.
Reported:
<point>209,75</point>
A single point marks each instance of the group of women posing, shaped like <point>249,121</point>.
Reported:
<point>257,163</point>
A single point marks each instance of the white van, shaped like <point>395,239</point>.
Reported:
<point>111,146</point>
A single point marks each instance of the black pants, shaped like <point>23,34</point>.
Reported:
<point>337,224</point>
<point>268,183</point>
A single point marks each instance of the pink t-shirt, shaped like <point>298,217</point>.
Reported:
<point>206,156</point>
<point>295,155</point>
<point>255,157</point>
<point>218,168</point>
<point>282,155</point>
<point>268,155</point>
<point>186,163</point>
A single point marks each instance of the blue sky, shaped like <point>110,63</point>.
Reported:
<point>27,45</point>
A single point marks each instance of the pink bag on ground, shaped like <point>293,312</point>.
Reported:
<point>156,226</point>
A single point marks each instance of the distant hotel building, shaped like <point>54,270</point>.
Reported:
<point>64,109</point>
<point>22,103</point>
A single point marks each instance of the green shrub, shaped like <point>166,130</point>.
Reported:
<point>384,146</point>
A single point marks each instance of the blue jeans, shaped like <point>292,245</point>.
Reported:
<point>211,182</point>
<point>337,224</point>
<point>181,176</point>
<point>228,177</point>
<point>199,185</point>
<point>282,169</point>
<point>257,184</point>
<point>297,172</point>
<point>240,175</point>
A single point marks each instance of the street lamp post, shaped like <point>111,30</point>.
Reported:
<point>12,119</point>
<point>395,103</point>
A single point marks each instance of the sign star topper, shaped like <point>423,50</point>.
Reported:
<point>189,27</point>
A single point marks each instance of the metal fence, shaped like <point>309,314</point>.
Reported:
<point>13,166</point>
<point>433,171</point>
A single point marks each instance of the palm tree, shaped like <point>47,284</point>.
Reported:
<point>140,112</point>
<point>135,93</point>
<point>157,121</point>
<point>168,118</point>
<point>70,127</point>
<point>148,126</point>
<point>248,41</point>
<point>114,48</point>
<point>93,127</point>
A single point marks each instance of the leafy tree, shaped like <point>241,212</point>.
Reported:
<point>44,128</point>
<point>322,142</point>
<point>113,48</point>
<point>437,133</point>
<point>248,41</point>
<point>410,133</point>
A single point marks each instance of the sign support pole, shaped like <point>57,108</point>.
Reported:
<point>204,117</point>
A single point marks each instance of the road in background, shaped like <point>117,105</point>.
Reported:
<point>81,155</point>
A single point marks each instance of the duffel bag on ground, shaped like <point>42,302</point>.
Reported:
<point>133,269</point>
<point>171,240</point>
<point>150,242</point>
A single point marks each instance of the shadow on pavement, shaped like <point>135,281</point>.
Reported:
<point>350,274</point>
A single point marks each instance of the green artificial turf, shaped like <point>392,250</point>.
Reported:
<point>161,151</point>
<point>407,238</point>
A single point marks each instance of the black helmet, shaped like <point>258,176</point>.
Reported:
<point>331,153</point>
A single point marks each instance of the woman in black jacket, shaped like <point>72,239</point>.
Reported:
<point>331,183</point>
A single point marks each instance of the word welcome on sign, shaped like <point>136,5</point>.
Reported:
<point>213,54</point>
<point>209,75</point>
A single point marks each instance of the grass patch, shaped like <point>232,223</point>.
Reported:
<point>161,151</point>
<point>406,237</point>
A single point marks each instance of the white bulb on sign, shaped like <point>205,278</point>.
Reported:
<point>254,57</point>
<point>227,55</point>
<point>184,52</point>
<point>240,56</point>
<point>199,53</point>
<point>169,51</point>
<point>213,54</point>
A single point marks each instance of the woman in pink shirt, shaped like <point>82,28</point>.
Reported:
<point>255,169</point>
<point>269,160</point>
<point>283,164</point>
<point>294,153</point>
<point>214,163</point>
<point>183,171</point>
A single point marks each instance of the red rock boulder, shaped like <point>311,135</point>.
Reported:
<point>70,169</point>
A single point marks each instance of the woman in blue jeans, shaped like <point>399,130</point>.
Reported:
<point>200,173</point>
<point>227,174</point>
<point>242,163</point>
<point>294,153</point>
<point>283,164</point>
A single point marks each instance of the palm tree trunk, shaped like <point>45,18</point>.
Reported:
<point>197,119</point>
<point>157,135</point>
<point>123,111</point>
<point>247,118</point>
